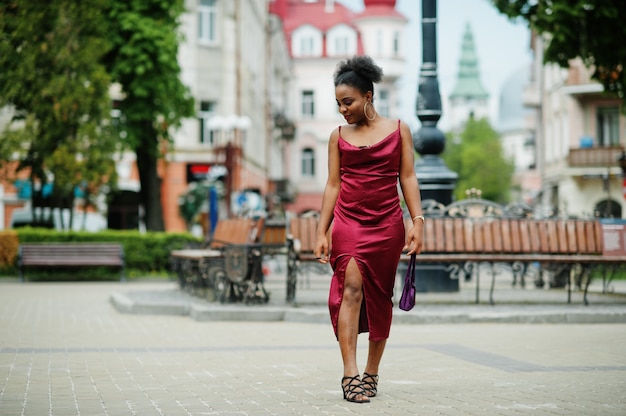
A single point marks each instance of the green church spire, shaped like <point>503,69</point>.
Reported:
<point>468,83</point>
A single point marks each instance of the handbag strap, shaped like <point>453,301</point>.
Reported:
<point>410,273</point>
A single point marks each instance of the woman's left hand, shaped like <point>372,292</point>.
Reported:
<point>415,239</point>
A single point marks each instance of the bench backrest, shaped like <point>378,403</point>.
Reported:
<point>61,250</point>
<point>304,229</point>
<point>234,231</point>
<point>274,233</point>
<point>489,235</point>
<point>501,235</point>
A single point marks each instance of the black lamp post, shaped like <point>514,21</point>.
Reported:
<point>436,180</point>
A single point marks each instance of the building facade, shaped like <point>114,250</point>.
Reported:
<point>580,137</point>
<point>261,73</point>
<point>236,64</point>
<point>319,34</point>
<point>235,61</point>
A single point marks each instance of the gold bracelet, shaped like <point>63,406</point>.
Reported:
<point>418,217</point>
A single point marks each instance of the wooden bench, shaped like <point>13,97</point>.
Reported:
<point>228,266</point>
<point>557,245</point>
<point>54,255</point>
<point>466,234</point>
<point>273,236</point>
<point>300,245</point>
<point>197,267</point>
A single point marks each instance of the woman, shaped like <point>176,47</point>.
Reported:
<point>366,159</point>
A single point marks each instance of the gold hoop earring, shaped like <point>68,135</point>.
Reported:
<point>365,111</point>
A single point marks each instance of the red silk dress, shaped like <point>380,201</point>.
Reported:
<point>368,227</point>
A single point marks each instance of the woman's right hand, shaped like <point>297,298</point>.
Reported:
<point>321,249</point>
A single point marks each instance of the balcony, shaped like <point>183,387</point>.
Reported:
<point>595,157</point>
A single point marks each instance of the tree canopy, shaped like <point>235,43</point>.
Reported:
<point>56,87</point>
<point>591,30</point>
<point>478,158</point>
<point>59,59</point>
<point>144,61</point>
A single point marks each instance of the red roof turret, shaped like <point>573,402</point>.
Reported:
<point>380,8</point>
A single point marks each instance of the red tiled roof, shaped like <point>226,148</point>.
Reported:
<point>296,13</point>
<point>381,11</point>
<point>315,15</point>
<point>391,3</point>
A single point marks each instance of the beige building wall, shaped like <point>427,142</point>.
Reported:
<point>578,167</point>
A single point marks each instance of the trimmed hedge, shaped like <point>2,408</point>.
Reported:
<point>146,253</point>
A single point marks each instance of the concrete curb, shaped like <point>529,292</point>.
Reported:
<point>424,314</point>
<point>236,313</point>
<point>126,304</point>
<point>520,316</point>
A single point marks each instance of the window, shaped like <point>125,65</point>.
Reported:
<point>306,46</point>
<point>207,136</point>
<point>308,104</point>
<point>207,12</point>
<point>341,45</point>
<point>379,43</point>
<point>308,162</point>
<point>607,119</point>
<point>341,40</point>
<point>382,103</point>
<point>396,43</point>
<point>306,41</point>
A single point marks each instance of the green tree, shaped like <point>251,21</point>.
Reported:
<point>54,82</point>
<point>144,61</point>
<point>591,30</point>
<point>478,158</point>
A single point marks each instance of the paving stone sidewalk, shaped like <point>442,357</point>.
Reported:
<point>66,350</point>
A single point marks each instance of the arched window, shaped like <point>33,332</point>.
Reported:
<point>306,41</point>
<point>341,41</point>
<point>608,208</point>
<point>308,162</point>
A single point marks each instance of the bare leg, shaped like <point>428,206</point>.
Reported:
<point>374,356</point>
<point>348,328</point>
<point>348,320</point>
<point>370,376</point>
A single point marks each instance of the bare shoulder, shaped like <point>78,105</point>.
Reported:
<point>334,137</point>
<point>405,131</point>
<point>404,127</point>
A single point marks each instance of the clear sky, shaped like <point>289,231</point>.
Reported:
<point>502,47</point>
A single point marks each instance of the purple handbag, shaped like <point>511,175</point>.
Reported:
<point>407,301</point>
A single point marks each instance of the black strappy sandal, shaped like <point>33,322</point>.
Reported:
<point>352,391</point>
<point>370,387</point>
